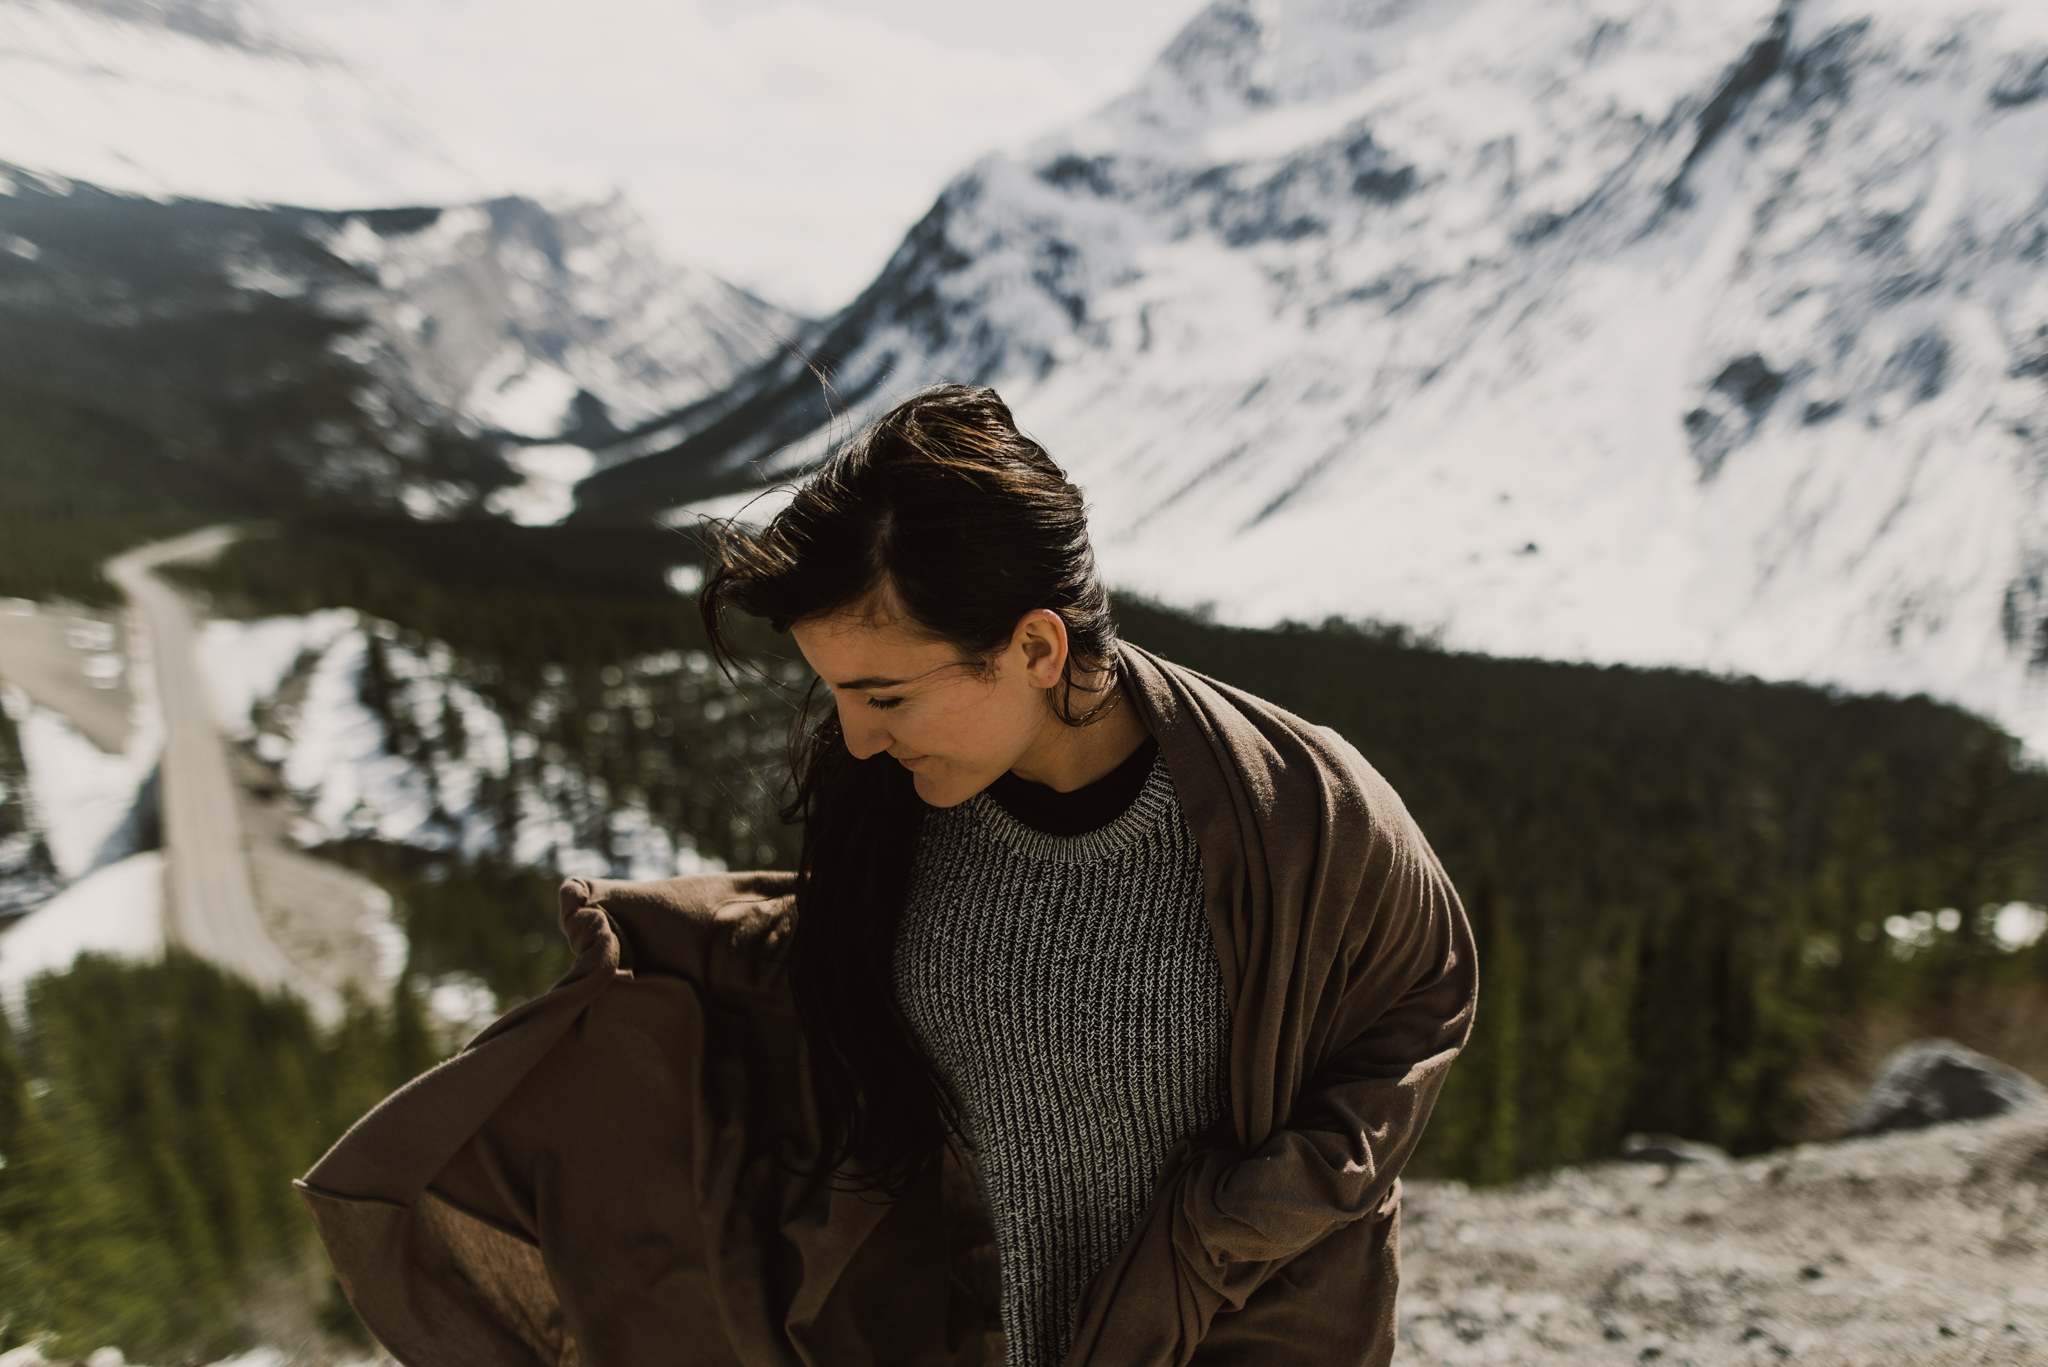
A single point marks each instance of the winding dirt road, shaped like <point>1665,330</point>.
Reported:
<point>212,909</point>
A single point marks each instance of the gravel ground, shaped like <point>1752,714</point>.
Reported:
<point>1927,1247</point>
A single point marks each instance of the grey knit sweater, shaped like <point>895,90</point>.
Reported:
<point>1067,989</point>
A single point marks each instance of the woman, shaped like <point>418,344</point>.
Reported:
<point>1168,974</point>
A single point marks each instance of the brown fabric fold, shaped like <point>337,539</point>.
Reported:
<point>619,1172</point>
<point>614,1172</point>
<point>1352,985</point>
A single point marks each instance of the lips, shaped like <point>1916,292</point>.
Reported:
<point>911,761</point>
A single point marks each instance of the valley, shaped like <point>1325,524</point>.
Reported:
<point>1624,424</point>
<point>1696,897</point>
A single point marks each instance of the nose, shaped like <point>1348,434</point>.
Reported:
<point>865,736</point>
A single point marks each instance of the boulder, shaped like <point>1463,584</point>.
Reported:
<point>1933,1081</point>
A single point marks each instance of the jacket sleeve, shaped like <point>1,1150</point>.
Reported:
<point>1405,1013</point>
<point>1408,992</point>
<point>1225,1221</point>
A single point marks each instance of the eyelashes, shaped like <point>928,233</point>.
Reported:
<point>884,704</point>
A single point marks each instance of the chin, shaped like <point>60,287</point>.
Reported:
<point>941,792</point>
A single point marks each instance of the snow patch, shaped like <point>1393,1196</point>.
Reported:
<point>1286,131</point>
<point>755,507</point>
<point>379,922</point>
<point>463,1000</point>
<point>116,910</point>
<point>548,493</point>
<point>2017,925</point>
<point>84,799</point>
<point>532,400</point>
<point>245,663</point>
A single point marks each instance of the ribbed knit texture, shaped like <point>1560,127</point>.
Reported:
<point>1067,989</point>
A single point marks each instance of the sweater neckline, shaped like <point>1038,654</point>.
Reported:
<point>1156,802</point>
<point>1085,809</point>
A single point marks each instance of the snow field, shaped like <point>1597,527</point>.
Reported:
<point>84,799</point>
<point>149,110</point>
<point>117,909</point>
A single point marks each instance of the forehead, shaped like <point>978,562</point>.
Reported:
<point>858,651</point>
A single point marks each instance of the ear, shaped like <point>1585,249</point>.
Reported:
<point>1042,635</point>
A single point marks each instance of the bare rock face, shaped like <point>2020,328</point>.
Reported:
<point>1933,1081</point>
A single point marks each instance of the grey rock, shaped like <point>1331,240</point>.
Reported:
<point>1933,1081</point>
<point>1670,1149</point>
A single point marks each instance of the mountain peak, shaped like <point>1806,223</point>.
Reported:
<point>1238,57</point>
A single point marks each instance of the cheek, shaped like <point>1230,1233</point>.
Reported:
<point>988,725</point>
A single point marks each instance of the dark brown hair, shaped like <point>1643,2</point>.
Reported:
<point>943,510</point>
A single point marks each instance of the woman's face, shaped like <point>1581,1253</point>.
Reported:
<point>956,727</point>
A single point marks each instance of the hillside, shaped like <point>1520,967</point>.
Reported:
<point>548,320</point>
<point>164,364</point>
<point>167,364</point>
<point>1656,333</point>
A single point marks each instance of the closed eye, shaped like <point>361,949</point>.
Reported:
<point>883,704</point>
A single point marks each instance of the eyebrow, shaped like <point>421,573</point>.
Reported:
<point>870,682</point>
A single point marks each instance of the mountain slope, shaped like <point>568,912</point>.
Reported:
<point>518,316</point>
<point>203,357</point>
<point>207,98</point>
<point>1626,331</point>
<point>509,310</point>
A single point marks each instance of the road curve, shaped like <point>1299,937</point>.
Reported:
<point>212,909</point>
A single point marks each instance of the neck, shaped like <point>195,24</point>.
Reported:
<point>1065,757</point>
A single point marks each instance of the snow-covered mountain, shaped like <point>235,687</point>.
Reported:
<point>212,99</point>
<point>1634,330</point>
<point>509,310</point>
<point>502,311</point>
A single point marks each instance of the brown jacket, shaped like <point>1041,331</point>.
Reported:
<point>616,1172</point>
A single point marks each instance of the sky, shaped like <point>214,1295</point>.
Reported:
<point>786,145</point>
